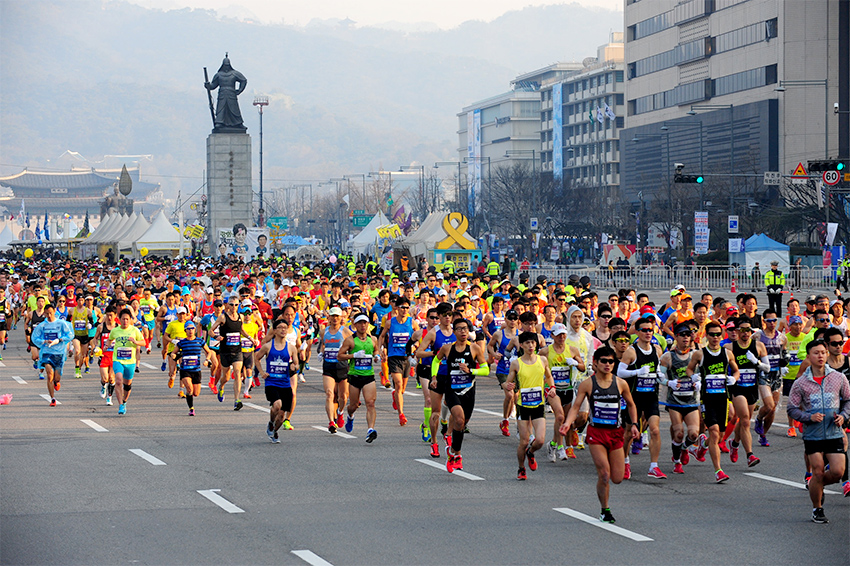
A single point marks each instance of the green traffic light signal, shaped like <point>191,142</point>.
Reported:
<point>700,179</point>
<point>839,166</point>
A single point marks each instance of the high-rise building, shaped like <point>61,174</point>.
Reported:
<point>732,87</point>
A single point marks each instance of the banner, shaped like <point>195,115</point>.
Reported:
<point>555,253</point>
<point>558,131</point>
<point>736,245</point>
<point>701,232</point>
<point>475,162</point>
<point>243,242</point>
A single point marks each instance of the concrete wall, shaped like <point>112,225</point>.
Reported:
<point>229,194</point>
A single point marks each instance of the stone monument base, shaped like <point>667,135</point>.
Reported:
<point>230,196</point>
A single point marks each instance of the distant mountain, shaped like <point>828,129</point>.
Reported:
<point>114,78</point>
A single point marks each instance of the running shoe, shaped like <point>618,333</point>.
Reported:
<point>340,421</point>
<point>551,452</point>
<point>148,350</point>
<point>637,446</point>
<point>580,444</point>
<point>220,395</point>
<point>720,476</point>
<point>450,461</point>
<point>656,473</point>
<point>349,423</point>
<point>270,429</point>
<point>171,382</point>
<point>332,427</point>
<point>301,378</point>
<point>402,420</point>
<point>459,462</point>
<point>109,400</point>
<point>763,441</point>
<point>77,373</point>
<point>627,472</point>
<point>371,435</point>
<point>733,452</point>
<point>256,381</point>
<point>846,488</point>
<point>395,404</point>
<point>181,394</point>
<point>159,344</point>
<point>425,432</point>
<point>532,461</point>
<point>35,365</point>
<point>808,478</point>
<point>122,408</point>
<point>275,438</point>
<point>307,366</point>
<point>752,460</point>
<point>286,424</point>
<point>504,426</point>
<point>678,468</point>
<point>570,452</point>
<point>759,428</point>
<point>723,447</point>
<point>41,374</point>
<point>163,366</point>
<point>685,457</point>
<point>520,474</point>
<point>435,450</point>
<point>246,395</point>
<point>562,453</point>
<point>448,439</point>
<point>192,412</point>
<point>819,517</point>
<point>103,391</point>
<point>606,517</point>
<point>211,384</point>
<point>57,386</point>
<point>418,385</point>
<point>137,370</point>
<point>792,433</point>
<point>87,370</point>
<point>53,402</point>
<point>237,405</point>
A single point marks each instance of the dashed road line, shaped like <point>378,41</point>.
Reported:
<point>147,365</point>
<point>258,407</point>
<point>212,495</point>
<point>442,467</point>
<point>145,456</point>
<point>311,558</point>
<point>337,433</point>
<point>19,380</point>
<point>94,425</point>
<point>606,526</point>
<point>46,397</point>
<point>800,485</point>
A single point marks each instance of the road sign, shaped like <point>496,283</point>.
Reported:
<point>534,223</point>
<point>733,224</point>
<point>799,176</point>
<point>772,178</point>
<point>360,220</point>
<point>360,212</point>
<point>278,222</point>
<point>847,177</point>
<point>831,177</point>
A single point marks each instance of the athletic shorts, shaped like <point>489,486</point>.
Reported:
<point>466,401</point>
<point>530,413</point>
<point>332,370</point>
<point>830,446</point>
<point>647,405</point>
<point>771,379</point>
<point>150,324</point>
<point>360,381</point>
<point>715,410</point>
<point>395,364</point>
<point>680,409</point>
<point>282,394</point>
<point>126,371</point>
<point>2,326</point>
<point>83,339</point>
<point>787,384</point>
<point>501,378</point>
<point>423,370</point>
<point>610,438</point>
<point>566,396</point>
<point>751,393</point>
<point>230,358</point>
<point>56,361</point>
<point>195,376</point>
<point>106,360</point>
<point>248,360</point>
<point>442,385</point>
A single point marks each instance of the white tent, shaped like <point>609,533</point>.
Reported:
<point>112,223</point>
<point>429,234</point>
<point>160,236</point>
<point>6,236</point>
<point>361,243</point>
<point>133,232</point>
<point>119,230</point>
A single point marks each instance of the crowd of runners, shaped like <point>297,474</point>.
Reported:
<point>601,368</point>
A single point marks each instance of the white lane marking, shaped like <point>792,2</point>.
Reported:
<point>46,397</point>
<point>94,425</point>
<point>784,482</point>
<point>606,526</point>
<point>311,558</point>
<point>494,413</point>
<point>460,473</point>
<point>2,365</point>
<point>337,433</point>
<point>259,408</point>
<point>19,380</point>
<point>145,456</point>
<point>147,365</point>
<point>212,495</point>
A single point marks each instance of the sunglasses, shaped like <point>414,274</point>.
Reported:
<point>606,316</point>
<point>836,343</point>
<point>686,333</point>
<point>644,330</point>
<point>823,320</point>
<point>433,318</point>
<point>715,334</point>
<point>771,320</point>
<point>606,360</point>
<point>624,340</point>
<point>404,307</point>
<point>511,318</point>
<point>745,330</point>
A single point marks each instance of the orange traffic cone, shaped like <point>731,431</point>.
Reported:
<point>734,287</point>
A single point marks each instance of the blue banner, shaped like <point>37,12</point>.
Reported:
<point>558,130</point>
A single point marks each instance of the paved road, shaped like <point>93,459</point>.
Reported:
<point>73,493</point>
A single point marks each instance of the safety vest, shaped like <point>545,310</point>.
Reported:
<point>449,266</point>
<point>351,267</point>
<point>492,268</point>
<point>774,278</point>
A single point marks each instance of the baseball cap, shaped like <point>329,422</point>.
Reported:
<point>685,296</point>
<point>731,311</point>
<point>218,303</point>
<point>558,329</point>
<point>512,314</point>
<point>209,290</point>
<point>189,324</point>
<point>646,309</point>
<point>335,311</point>
<point>361,318</point>
<point>794,319</point>
<point>675,291</point>
<point>182,310</point>
<point>246,303</point>
<point>258,293</point>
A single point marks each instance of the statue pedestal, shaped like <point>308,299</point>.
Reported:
<point>230,197</point>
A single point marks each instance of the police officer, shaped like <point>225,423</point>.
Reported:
<point>449,267</point>
<point>493,268</point>
<point>841,274</point>
<point>774,280</point>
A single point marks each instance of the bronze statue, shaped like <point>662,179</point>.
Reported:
<point>227,118</point>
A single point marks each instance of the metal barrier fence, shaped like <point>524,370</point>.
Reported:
<point>657,277</point>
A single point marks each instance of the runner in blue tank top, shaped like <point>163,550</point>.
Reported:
<point>393,338</point>
<point>281,364</point>
<point>497,350</point>
<point>431,343</point>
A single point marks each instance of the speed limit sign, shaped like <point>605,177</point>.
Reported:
<point>831,177</point>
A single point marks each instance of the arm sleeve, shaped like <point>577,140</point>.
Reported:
<point>662,374</point>
<point>764,364</point>
<point>624,371</point>
<point>435,366</point>
<point>483,369</point>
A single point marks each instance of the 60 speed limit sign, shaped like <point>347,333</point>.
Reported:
<point>831,177</point>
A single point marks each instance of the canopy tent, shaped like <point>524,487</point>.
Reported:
<point>119,229</point>
<point>362,242</point>
<point>106,228</point>
<point>418,242</point>
<point>293,242</point>
<point>133,232</point>
<point>760,248</point>
<point>6,236</point>
<point>309,252</point>
<point>160,236</point>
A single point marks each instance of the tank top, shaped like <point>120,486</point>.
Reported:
<point>548,337</point>
<point>79,320</point>
<point>747,369</point>
<point>460,381</point>
<point>332,343</point>
<point>844,369</point>
<point>362,366</point>
<point>231,335</point>
<point>190,354</point>
<point>440,340</point>
<point>774,350</point>
<point>277,366</point>
<point>604,404</point>
<point>504,365</point>
<point>36,319</point>
<point>170,315</point>
<point>561,372</point>
<point>648,384</point>
<point>397,336</point>
<point>530,383</point>
<point>714,368</point>
<point>793,345</point>
<point>105,342</point>
<point>685,395</point>
<point>496,323</point>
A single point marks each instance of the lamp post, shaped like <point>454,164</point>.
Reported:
<point>666,126</point>
<point>260,102</point>
<point>363,180</point>
<point>457,186</point>
<point>420,169</point>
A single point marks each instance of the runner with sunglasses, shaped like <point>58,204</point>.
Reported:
<point>770,383</point>
<point>682,395</point>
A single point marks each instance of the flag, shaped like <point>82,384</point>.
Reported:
<point>22,215</point>
<point>609,112</point>
<point>37,231</point>
<point>86,229</point>
<point>46,226</point>
<point>28,219</point>
<point>600,117</point>
<point>590,114</point>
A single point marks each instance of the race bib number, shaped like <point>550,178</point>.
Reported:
<point>331,354</point>
<point>774,362</point>
<point>685,389</point>
<point>191,362</point>
<point>793,360</point>
<point>2,317</point>
<point>646,384</point>
<point>561,375</point>
<point>124,353</point>
<point>748,377</point>
<point>363,363</point>
<point>79,325</point>
<point>146,309</point>
<point>232,339</point>
<point>606,413</point>
<point>399,339</point>
<point>715,384</point>
<point>247,343</point>
<point>277,368</point>
<point>531,396</point>
<point>549,340</point>
<point>461,379</point>
<point>51,335</point>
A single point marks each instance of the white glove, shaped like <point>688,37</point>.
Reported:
<point>752,357</point>
<point>697,387</point>
<point>673,384</point>
<point>783,372</point>
<point>643,371</point>
<point>572,362</point>
<point>54,342</point>
<point>360,354</point>
<point>377,358</point>
<point>730,380</point>
<point>512,359</point>
<point>88,326</point>
<point>412,361</point>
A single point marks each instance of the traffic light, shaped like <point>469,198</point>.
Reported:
<point>679,178</point>
<point>827,165</point>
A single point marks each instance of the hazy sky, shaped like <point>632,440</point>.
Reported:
<point>444,13</point>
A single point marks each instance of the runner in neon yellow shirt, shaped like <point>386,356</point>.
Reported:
<point>125,338</point>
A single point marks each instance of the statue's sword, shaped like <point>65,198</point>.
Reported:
<point>209,96</point>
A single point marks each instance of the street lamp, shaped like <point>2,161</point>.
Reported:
<point>420,169</point>
<point>457,186</point>
<point>260,102</point>
<point>390,192</point>
<point>783,85</point>
<point>363,179</point>
<point>666,127</point>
